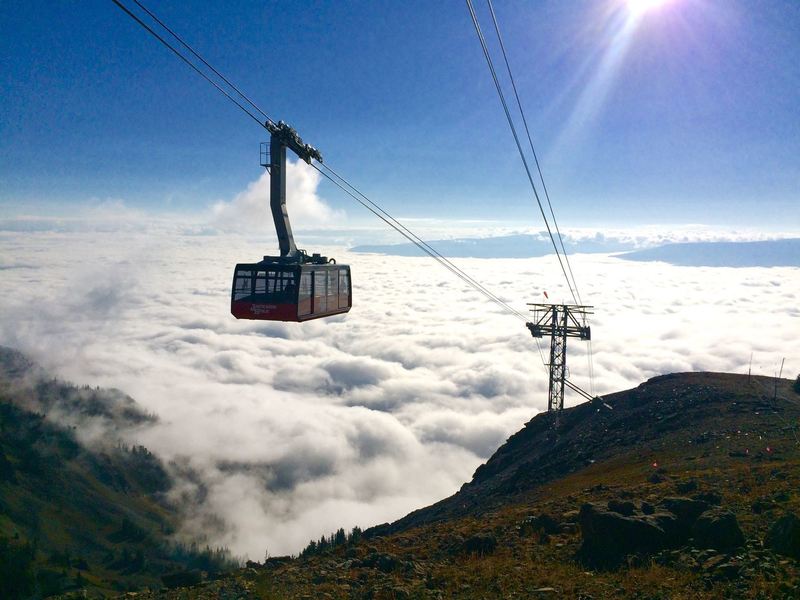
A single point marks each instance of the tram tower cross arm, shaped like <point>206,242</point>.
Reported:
<point>559,322</point>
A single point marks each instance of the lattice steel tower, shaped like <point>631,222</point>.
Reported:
<point>560,321</point>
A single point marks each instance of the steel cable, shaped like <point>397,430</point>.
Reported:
<point>490,63</point>
<point>201,59</point>
<point>413,238</point>
<point>410,235</point>
<point>147,28</point>
<point>334,177</point>
<point>589,353</point>
<point>533,151</point>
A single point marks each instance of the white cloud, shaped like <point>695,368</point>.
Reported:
<point>294,430</point>
<point>249,210</point>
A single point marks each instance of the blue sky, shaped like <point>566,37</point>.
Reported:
<point>685,114</point>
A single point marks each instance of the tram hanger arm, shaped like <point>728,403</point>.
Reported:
<point>289,138</point>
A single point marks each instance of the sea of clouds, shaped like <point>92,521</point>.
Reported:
<point>279,432</point>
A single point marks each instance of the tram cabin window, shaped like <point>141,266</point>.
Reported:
<point>320,292</point>
<point>344,288</point>
<point>243,286</point>
<point>265,286</point>
<point>333,289</point>
<point>304,297</point>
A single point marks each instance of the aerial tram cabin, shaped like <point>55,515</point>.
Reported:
<point>285,292</point>
<point>293,286</point>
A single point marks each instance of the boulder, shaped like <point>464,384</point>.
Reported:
<point>675,531</point>
<point>717,529</point>
<point>784,536</point>
<point>712,498</point>
<point>686,509</point>
<point>571,516</point>
<point>382,561</point>
<point>727,571</point>
<point>623,507</point>
<point>275,561</point>
<point>608,537</point>
<point>721,567</point>
<point>684,487</point>
<point>543,523</point>
<point>685,512</point>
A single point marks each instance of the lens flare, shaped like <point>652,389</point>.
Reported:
<point>639,7</point>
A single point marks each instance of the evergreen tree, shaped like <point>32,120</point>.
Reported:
<point>139,560</point>
<point>310,549</point>
<point>339,538</point>
<point>355,535</point>
<point>17,578</point>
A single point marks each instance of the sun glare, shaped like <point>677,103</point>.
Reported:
<point>639,7</point>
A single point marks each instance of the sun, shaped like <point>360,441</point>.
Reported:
<point>639,7</point>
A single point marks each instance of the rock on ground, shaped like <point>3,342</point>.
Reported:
<point>717,529</point>
<point>784,536</point>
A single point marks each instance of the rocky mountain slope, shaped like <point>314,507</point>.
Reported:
<point>684,487</point>
<point>645,425</point>
<point>80,510</point>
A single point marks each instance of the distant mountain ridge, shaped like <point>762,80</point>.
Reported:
<point>508,246</point>
<point>767,253</point>
<point>772,253</point>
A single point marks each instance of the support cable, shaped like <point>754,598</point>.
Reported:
<point>421,244</point>
<point>533,151</point>
<point>184,59</point>
<point>410,235</point>
<point>201,59</point>
<point>490,63</point>
<point>334,177</point>
<point>414,239</point>
<point>589,353</point>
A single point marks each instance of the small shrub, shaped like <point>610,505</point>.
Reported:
<point>181,579</point>
<point>480,544</point>
<point>796,386</point>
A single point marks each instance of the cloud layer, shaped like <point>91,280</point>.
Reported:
<point>282,432</point>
